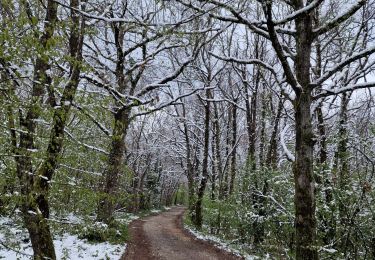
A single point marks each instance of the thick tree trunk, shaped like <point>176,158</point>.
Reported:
<point>39,231</point>
<point>305,219</point>
<point>121,123</point>
<point>304,181</point>
<point>35,222</point>
<point>114,167</point>
<point>33,217</point>
<point>61,115</point>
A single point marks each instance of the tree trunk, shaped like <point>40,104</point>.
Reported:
<point>34,219</point>
<point>198,206</point>
<point>262,131</point>
<point>252,123</point>
<point>342,167</point>
<point>219,166</point>
<point>189,165</point>
<point>272,150</point>
<point>304,181</point>
<point>225,172</point>
<point>114,167</point>
<point>61,114</point>
<point>233,164</point>
<point>305,219</point>
<point>35,222</point>
<point>319,111</point>
<point>39,231</point>
<point>214,169</point>
<point>342,150</point>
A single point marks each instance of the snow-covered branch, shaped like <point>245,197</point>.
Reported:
<point>336,91</point>
<point>92,118</point>
<point>249,61</point>
<point>340,18</point>
<point>279,49</point>
<point>303,11</point>
<point>341,65</point>
<point>86,145</point>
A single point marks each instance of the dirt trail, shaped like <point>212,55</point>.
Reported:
<point>162,237</point>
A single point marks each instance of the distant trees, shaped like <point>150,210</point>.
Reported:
<point>137,40</point>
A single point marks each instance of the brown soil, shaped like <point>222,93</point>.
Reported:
<point>163,237</point>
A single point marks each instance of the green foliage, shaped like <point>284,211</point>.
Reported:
<point>181,197</point>
<point>259,220</point>
<point>255,220</point>
<point>116,233</point>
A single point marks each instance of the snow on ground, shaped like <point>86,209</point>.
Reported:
<point>15,245</point>
<point>74,248</point>
<point>219,243</point>
<point>69,247</point>
<point>126,218</point>
<point>156,211</point>
<point>14,242</point>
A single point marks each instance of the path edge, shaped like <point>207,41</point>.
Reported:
<point>216,246</point>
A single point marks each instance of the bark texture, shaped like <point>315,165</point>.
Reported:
<point>35,184</point>
<point>34,219</point>
<point>198,219</point>
<point>303,168</point>
<point>114,167</point>
<point>305,219</point>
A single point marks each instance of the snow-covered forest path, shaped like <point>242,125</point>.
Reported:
<point>163,237</point>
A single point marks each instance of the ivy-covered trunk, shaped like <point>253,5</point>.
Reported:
<point>34,219</point>
<point>35,184</point>
<point>39,231</point>
<point>61,114</point>
<point>114,167</point>
<point>35,222</point>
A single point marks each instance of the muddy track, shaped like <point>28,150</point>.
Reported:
<point>163,237</point>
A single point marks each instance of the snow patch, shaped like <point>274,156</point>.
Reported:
<point>69,247</point>
<point>14,244</point>
<point>219,244</point>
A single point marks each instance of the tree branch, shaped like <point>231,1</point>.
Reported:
<point>339,19</point>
